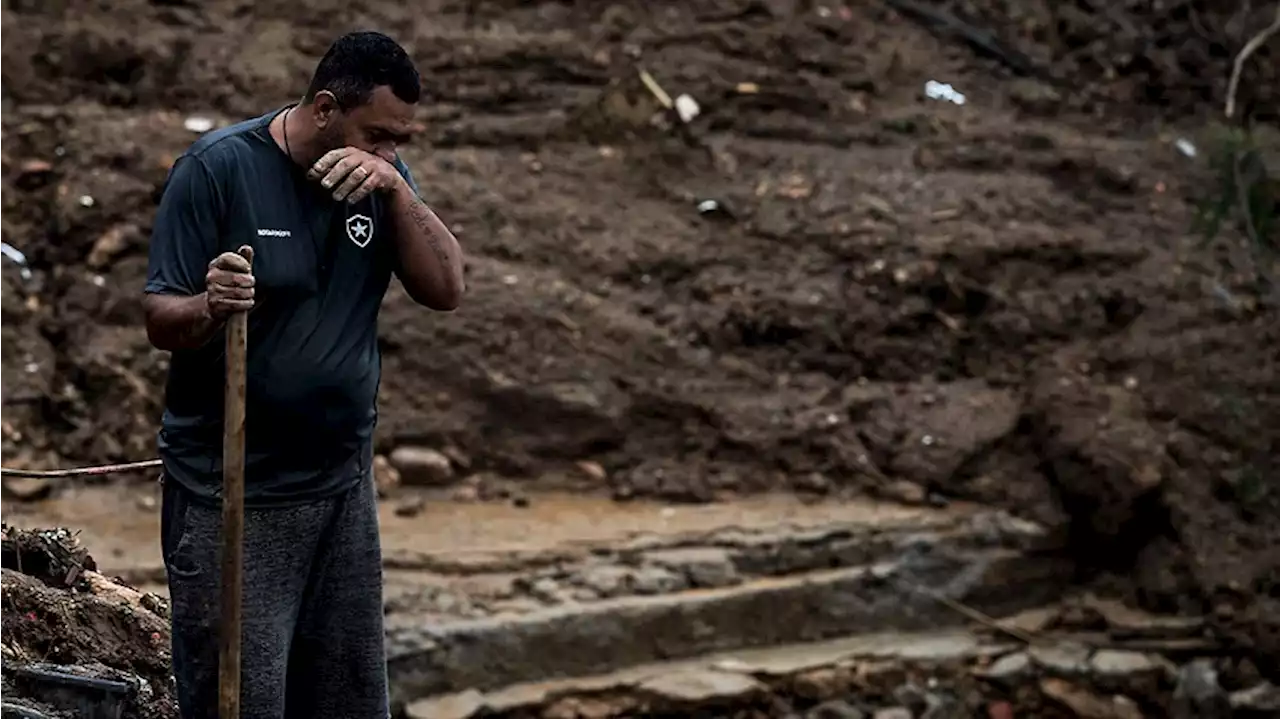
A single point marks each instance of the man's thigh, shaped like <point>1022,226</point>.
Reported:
<point>338,663</point>
<point>279,547</point>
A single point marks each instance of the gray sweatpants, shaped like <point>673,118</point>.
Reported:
<point>312,608</point>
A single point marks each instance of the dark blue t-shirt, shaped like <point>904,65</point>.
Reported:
<point>321,268</point>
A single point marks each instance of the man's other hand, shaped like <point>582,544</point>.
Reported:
<point>229,283</point>
<point>352,174</point>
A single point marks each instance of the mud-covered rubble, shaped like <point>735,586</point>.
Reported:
<point>1084,663</point>
<point>65,623</point>
<point>520,582</point>
<point>528,616</point>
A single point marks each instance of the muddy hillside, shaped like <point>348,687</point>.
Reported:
<point>828,279</point>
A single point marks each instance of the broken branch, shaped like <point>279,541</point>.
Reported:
<point>1250,47</point>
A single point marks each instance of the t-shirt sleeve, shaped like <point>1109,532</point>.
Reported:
<point>407,174</point>
<point>184,237</point>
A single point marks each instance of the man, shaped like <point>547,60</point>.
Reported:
<point>299,217</point>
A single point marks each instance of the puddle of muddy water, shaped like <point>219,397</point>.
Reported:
<point>121,525</point>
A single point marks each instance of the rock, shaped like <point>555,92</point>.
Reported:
<point>1262,698</point>
<point>1088,705</point>
<point>656,580</point>
<point>1064,658</point>
<point>457,706</point>
<point>385,477</point>
<point>111,244</point>
<point>893,713</point>
<point>904,491</point>
<point>592,470</point>
<point>697,686</point>
<point>547,590</point>
<point>422,467</point>
<point>1000,710</point>
<point>1035,97</point>
<point>931,430</point>
<point>835,709</point>
<point>1100,445</point>
<point>943,705</point>
<point>1198,694</point>
<point>703,567</point>
<point>27,489</point>
<point>468,492</point>
<point>1009,669</point>
<point>823,683</point>
<point>1116,663</point>
<point>607,580</point>
<point>1123,621</point>
<point>411,507</point>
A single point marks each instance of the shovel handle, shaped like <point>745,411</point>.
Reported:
<point>233,448</point>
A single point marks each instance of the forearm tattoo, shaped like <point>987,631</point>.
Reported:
<point>430,224</point>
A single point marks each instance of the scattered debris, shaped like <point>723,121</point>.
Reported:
<point>55,556</point>
<point>17,257</point>
<point>74,640</point>
<point>656,89</point>
<point>198,124</point>
<point>935,90</point>
<point>422,466</point>
<point>687,108</point>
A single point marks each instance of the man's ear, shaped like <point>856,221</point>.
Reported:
<point>324,109</point>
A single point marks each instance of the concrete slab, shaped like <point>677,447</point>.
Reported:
<point>757,666</point>
<point>609,635</point>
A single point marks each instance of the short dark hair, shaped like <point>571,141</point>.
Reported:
<point>358,62</point>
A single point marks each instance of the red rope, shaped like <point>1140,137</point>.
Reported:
<point>79,471</point>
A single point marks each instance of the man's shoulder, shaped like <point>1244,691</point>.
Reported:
<point>220,148</point>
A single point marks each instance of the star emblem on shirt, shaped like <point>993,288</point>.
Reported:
<point>360,229</point>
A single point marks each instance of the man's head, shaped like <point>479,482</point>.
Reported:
<point>363,95</point>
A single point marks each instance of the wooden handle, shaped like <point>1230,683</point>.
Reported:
<point>233,448</point>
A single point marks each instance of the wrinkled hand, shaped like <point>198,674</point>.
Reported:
<point>352,174</point>
<point>229,283</point>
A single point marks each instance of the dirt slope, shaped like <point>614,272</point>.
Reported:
<point>997,301</point>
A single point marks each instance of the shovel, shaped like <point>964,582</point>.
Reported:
<point>237,332</point>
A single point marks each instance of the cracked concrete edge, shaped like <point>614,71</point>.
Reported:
<point>986,528</point>
<point>608,635</point>
<point>761,551</point>
<point>733,675</point>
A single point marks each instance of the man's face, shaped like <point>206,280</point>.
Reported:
<point>378,126</point>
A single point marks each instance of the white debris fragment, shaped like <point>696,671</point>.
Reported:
<point>198,124</point>
<point>707,206</point>
<point>13,253</point>
<point>99,281</point>
<point>935,90</point>
<point>86,201</point>
<point>687,108</point>
<point>1185,146</point>
<point>18,258</point>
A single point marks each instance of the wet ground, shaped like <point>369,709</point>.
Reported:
<point>451,559</point>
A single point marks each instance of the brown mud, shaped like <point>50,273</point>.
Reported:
<point>999,302</point>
